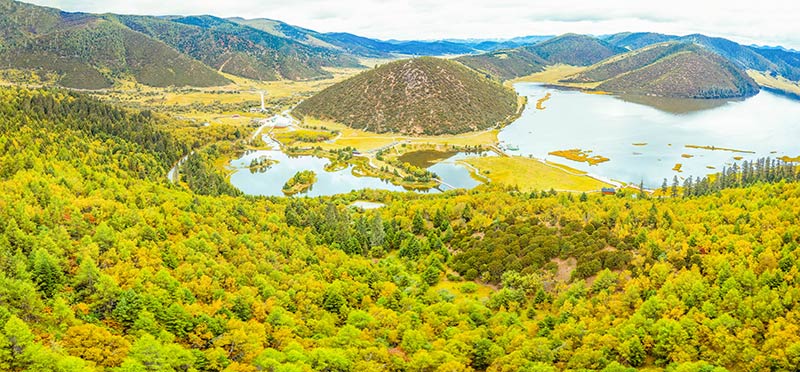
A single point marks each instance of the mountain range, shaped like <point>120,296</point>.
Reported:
<point>93,51</point>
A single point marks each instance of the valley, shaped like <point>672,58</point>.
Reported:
<point>372,158</point>
<point>235,193</point>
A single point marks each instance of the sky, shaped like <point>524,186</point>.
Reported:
<point>763,22</point>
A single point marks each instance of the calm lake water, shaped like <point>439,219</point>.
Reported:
<point>767,124</point>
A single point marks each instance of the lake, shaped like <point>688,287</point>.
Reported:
<point>644,138</point>
<point>766,124</point>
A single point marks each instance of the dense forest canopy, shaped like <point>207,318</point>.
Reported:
<point>107,266</point>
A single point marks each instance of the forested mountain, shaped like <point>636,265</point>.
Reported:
<point>105,266</point>
<point>636,40</point>
<point>670,70</point>
<point>774,61</point>
<point>575,50</point>
<point>417,96</point>
<point>90,52</point>
<point>570,49</point>
<point>240,50</point>
<point>285,30</point>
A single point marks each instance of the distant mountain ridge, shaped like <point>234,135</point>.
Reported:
<point>418,96</point>
<point>571,49</point>
<point>374,48</point>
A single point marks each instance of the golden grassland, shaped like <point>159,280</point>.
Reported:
<point>239,91</point>
<point>580,156</point>
<point>530,174</point>
<point>566,168</point>
<point>779,82</point>
<point>366,141</point>
<point>790,159</point>
<point>553,75</point>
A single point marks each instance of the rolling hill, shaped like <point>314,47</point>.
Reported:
<point>417,96</point>
<point>571,49</point>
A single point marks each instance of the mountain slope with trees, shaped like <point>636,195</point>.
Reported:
<point>669,70</point>
<point>87,51</point>
<point>417,96</point>
<point>90,51</point>
<point>105,266</point>
<point>240,50</point>
<point>768,60</point>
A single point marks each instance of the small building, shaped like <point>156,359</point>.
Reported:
<point>608,191</point>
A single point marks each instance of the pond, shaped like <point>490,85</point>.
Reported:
<point>646,137</point>
<point>271,181</point>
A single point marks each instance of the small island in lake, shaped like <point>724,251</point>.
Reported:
<point>300,182</point>
<point>580,156</point>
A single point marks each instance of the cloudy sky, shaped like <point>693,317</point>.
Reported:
<point>766,22</point>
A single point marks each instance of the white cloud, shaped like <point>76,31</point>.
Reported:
<point>773,22</point>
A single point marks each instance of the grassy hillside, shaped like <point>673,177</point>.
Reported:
<point>672,70</point>
<point>416,96</point>
<point>86,51</point>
